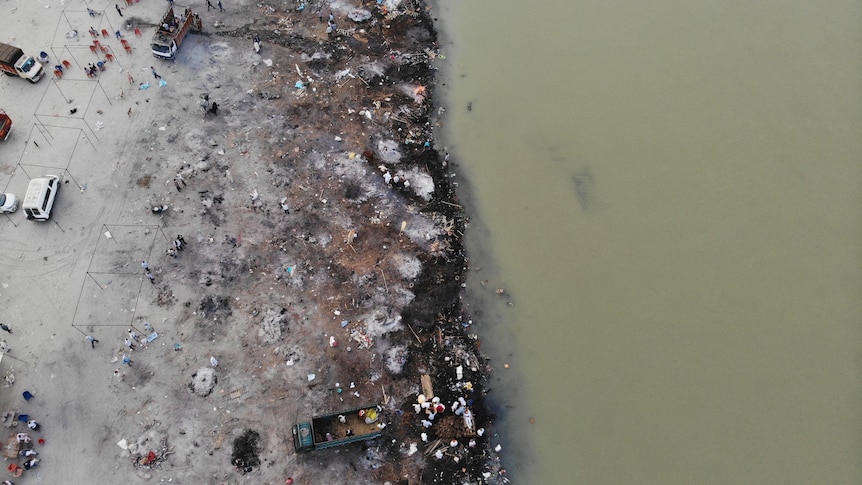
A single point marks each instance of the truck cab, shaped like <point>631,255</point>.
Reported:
<point>164,47</point>
<point>30,69</point>
<point>303,439</point>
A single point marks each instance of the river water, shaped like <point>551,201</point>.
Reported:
<point>669,193</point>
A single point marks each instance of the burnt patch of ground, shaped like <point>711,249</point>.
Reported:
<point>246,451</point>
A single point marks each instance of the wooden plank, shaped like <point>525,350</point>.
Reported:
<point>10,450</point>
<point>427,389</point>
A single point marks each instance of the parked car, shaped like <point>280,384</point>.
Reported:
<point>8,203</point>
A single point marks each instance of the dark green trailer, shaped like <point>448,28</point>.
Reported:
<point>336,429</point>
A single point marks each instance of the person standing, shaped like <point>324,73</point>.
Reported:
<point>209,5</point>
<point>119,10</point>
<point>145,266</point>
<point>5,327</point>
<point>220,8</point>
<point>182,240</point>
<point>92,341</point>
<point>151,277</point>
<point>155,74</point>
<point>129,344</point>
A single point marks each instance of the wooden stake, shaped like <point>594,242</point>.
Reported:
<point>414,333</point>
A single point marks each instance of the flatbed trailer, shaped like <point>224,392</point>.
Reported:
<point>336,429</point>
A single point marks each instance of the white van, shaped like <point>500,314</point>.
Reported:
<point>39,199</point>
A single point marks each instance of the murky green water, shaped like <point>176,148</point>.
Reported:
<point>670,192</point>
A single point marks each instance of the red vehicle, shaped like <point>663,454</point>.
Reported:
<point>5,125</point>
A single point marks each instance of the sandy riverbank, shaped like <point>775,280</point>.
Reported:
<point>324,239</point>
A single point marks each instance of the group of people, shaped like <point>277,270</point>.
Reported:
<point>133,337</point>
<point>30,456</point>
<point>92,70</point>
<point>179,245</point>
<point>132,340</point>
<point>331,28</point>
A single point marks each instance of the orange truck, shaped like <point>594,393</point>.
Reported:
<point>172,30</point>
<point>14,62</point>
